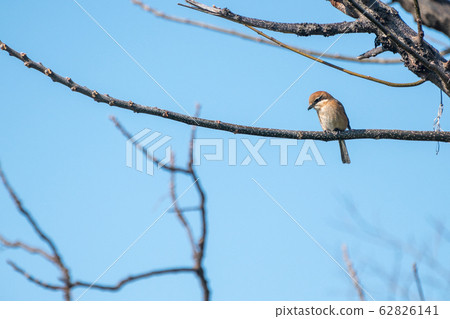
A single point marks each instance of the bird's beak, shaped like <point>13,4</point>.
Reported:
<point>310,107</point>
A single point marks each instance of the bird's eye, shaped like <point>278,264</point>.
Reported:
<point>317,100</point>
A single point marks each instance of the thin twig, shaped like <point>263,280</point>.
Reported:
<point>418,283</point>
<point>234,128</point>
<point>171,167</point>
<point>251,24</point>
<point>180,216</point>
<point>191,141</point>
<point>57,259</point>
<point>33,279</point>
<point>185,209</point>
<point>392,36</point>
<point>202,240</point>
<point>212,27</point>
<point>380,234</point>
<point>434,14</point>
<point>201,192</point>
<point>365,12</point>
<point>198,252</point>
<point>26,214</point>
<point>419,22</point>
<point>300,29</point>
<point>372,53</point>
<point>199,247</point>
<point>437,42</point>
<point>27,248</point>
<point>131,279</point>
<point>352,272</point>
<point>362,76</point>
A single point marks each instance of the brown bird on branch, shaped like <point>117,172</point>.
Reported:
<point>332,117</point>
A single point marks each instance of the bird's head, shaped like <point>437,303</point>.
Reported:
<point>317,99</point>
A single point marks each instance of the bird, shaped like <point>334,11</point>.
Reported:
<point>332,117</point>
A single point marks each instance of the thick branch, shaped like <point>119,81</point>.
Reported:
<point>131,279</point>
<point>435,13</point>
<point>212,27</point>
<point>234,128</point>
<point>394,34</point>
<point>376,17</point>
<point>336,67</point>
<point>200,24</point>
<point>300,29</point>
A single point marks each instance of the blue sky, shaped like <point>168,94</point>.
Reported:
<point>66,160</point>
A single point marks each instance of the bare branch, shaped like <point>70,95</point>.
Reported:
<point>352,272</point>
<point>33,279</point>
<point>197,248</point>
<point>26,214</point>
<point>418,283</point>
<point>68,285</point>
<point>392,33</point>
<point>234,128</point>
<point>57,259</point>
<point>191,141</point>
<point>300,29</point>
<point>180,214</point>
<point>366,77</point>
<point>204,283</point>
<point>31,250</point>
<point>198,252</point>
<point>419,22</point>
<point>344,8</point>
<point>202,208</point>
<point>397,31</point>
<point>186,209</point>
<point>171,167</point>
<point>207,26</point>
<point>131,279</point>
<point>381,235</point>
<point>372,53</point>
<point>435,13</point>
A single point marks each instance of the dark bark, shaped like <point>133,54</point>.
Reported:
<point>396,36</point>
<point>392,33</point>
<point>434,13</point>
<point>222,126</point>
<point>300,29</point>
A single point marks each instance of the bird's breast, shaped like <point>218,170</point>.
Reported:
<point>332,118</point>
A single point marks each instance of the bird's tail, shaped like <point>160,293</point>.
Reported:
<point>344,154</point>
